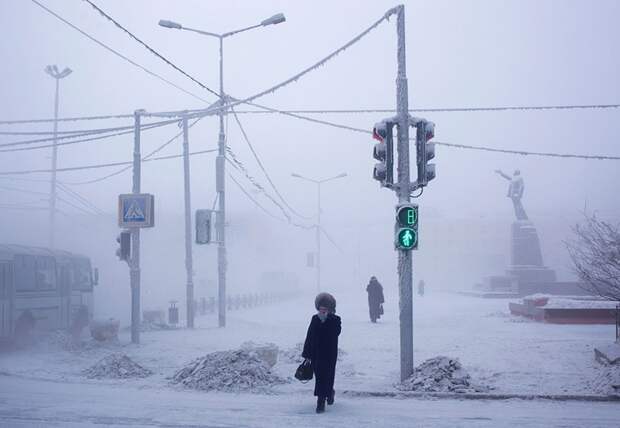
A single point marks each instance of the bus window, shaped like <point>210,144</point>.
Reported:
<point>82,280</point>
<point>25,273</point>
<point>45,273</point>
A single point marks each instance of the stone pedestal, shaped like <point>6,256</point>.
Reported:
<point>526,261</point>
<point>524,245</point>
<point>527,272</point>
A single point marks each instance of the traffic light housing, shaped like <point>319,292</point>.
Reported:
<point>123,251</point>
<point>384,153</point>
<point>425,152</point>
<point>406,230</point>
<point>203,226</point>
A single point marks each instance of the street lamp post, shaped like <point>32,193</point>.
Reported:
<point>318,223</point>
<point>52,70</point>
<point>220,217</point>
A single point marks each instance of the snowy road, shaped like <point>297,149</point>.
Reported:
<point>45,386</point>
<point>32,403</point>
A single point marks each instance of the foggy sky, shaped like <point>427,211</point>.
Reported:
<point>459,54</point>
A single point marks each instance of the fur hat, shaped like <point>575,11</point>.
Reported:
<point>326,300</point>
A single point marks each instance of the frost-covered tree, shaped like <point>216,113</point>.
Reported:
<point>595,252</point>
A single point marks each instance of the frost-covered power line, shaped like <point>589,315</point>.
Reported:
<point>262,167</point>
<point>110,131</point>
<point>126,168</point>
<point>150,49</point>
<point>265,110</point>
<point>115,52</point>
<point>101,165</point>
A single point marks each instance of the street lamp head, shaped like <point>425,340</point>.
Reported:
<point>67,71</point>
<point>52,70</point>
<point>170,24</point>
<point>344,174</point>
<point>275,19</point>
<point>296,175</point>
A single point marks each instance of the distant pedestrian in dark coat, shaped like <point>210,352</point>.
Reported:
<point>375,299</point>
<point>321,348</point>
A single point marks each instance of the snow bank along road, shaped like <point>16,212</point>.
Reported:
<point>39,403</point>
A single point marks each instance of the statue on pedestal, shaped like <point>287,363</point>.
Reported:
<point>515,192</point>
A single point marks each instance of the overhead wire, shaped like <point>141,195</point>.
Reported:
<point>290,80</point>
<point>66,119</point>
<point>251,198</point>
<point>150,49</point>
<point>238,165</point>
<point>110,131</point>
<point>440,109</point>
<point>115,52</point>
<point>262,167</point>
<point>97,166</point>
<point>462,146</point>
<point>79,197</point>
<point>147,156</point>
<point>340,111</point>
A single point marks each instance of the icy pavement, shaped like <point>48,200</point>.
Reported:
<point>37,403</point>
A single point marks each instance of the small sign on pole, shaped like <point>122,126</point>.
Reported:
<point>136,210</point>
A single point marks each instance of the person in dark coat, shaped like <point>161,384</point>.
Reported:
<point>375,299</point>
<point>321,348</point>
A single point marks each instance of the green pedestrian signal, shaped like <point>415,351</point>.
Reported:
<point>407,238</point>
<point>406,230</point>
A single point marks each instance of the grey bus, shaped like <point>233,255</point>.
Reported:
<point>43,290</point>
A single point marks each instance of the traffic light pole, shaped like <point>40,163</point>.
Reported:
<point>405,269</point>
<point>134,271</point>
<point>188,229</point>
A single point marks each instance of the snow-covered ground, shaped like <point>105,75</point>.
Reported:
<point>35,403</point>
<point>506,353</point>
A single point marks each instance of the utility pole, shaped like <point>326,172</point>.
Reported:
<point>52,70</point>
<point>318,221</point>
<point>405,268</point>
<point>188,228</point>
<point>220,216</point>
<point>134,272</point>
<point>318,242</point>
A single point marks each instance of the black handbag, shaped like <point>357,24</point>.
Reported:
<point>381,309</point>
<point>304,372</point>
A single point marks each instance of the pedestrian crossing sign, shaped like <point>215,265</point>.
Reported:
<point>136,210</point>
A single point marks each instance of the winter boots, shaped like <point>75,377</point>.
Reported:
<point>320,404</point>
<point>330,398</point>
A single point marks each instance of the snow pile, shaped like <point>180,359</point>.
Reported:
<point>268,352</point>
<point>607,380</point>
<point>63,340</point>
<point>292,355</point>
<point>440,374</point>
<point>231,371</point>
<point>550,301</point>
<point>116,366</point>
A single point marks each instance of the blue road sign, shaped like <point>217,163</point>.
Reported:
<point>136,210</point>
